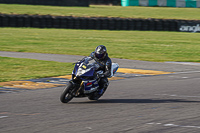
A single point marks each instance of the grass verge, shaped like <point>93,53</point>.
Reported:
<point>105,11</point>
<point>22,69</point>
<point>135,45</point>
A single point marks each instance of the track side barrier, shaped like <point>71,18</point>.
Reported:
<point>98,23</point>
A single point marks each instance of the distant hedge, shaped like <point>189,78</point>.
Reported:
<point>49,2</point>
<point>98,23</point>
<point>105,2</point>
<point>63,2</point>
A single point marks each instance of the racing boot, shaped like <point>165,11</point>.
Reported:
<point>103,88</point>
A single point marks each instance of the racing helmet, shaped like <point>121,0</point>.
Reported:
<point>100,52</point>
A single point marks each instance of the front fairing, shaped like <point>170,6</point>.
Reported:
<point>84,74</point>
<point>90,86</point>
<point>86,68</point>
<point>84,71</point>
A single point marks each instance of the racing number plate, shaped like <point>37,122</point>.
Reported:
<point>84,67</point>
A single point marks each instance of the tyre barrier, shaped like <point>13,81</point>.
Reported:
<point>98,23</point>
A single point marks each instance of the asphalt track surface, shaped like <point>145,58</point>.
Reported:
<point>147,104</point>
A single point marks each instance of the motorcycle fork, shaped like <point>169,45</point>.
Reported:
<point>78,91</point>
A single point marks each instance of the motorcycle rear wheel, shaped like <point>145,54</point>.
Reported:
<point>66,95</point>
<point>96,96</point>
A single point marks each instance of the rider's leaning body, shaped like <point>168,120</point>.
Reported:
<point>100,55</point>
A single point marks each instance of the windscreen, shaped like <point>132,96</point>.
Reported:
<point>91,63</point>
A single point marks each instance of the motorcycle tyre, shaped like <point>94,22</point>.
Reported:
<point>63,97</point>
<point>96,96</point>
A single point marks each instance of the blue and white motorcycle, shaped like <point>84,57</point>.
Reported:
<point>84,82</point>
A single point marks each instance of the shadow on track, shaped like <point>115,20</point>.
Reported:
<point>136,101</point>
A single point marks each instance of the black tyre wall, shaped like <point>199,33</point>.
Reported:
<point>98,23</point>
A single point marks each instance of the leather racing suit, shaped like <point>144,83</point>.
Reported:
<point>105,66</point>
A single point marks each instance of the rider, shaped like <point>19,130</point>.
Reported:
<point>101,56</point>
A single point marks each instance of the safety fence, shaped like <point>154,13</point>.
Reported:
<point>98,23</point>
<point>164,3</point>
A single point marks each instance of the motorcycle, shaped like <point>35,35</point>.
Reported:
<point>84,82</point>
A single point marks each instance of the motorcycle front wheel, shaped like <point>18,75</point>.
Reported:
<point>66,95</point>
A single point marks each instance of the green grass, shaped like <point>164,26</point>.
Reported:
<point>105,11</point>
<point>135,45</point>
<point>21,69</point>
